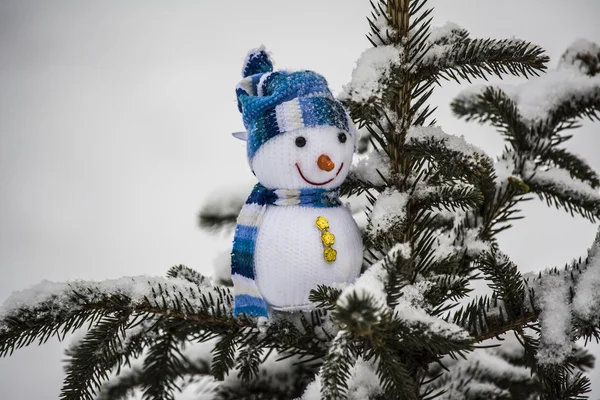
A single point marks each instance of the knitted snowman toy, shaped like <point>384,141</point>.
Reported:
<point>293,233</point>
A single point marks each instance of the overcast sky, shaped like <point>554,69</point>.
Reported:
<point>115,122</point>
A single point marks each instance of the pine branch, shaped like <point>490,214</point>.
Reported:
<point>426,336</point>
<point>55,309</point>
<point>336,367</point>
<point>555,381</point>
<point>360,313</point>
<point>281,377</point>
<point>493,106</point>
<point>487,317</point>
<point>506,279</point>
<point>480,58</point>
<point>585,104</point>
<point>214,222</point>
<point>354,186</point>
<point>161,368</point>
<point>490,372</point>
<point>404,99</point>
<point>224,355</point>
<point>325,296</point>
<point>395,380</point>
<point>560,384</point>
<point>100,351</point>
<point>450,198</point>
<point>448,288</point>
<point>585,203</point>
<point>576,167</point>
<point>299,336</point>
<point>122,386</point>
<point>190,275</point>
<point>249,358</point>
<point>448,162</point>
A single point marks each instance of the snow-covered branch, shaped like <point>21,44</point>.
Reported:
<point>49,308</point>
<point>564,302</point>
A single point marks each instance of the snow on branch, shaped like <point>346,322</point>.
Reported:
<point>539,99</point>
<point>578,168</point>
<point>41,311</point>
<point>372,72</point>
<point>373,168</point>
<point>370,286</point>
<point>194,368</point>
<point>452,55</point>
<point>586,303</point>
<point>451,142</point>
<point>388,211</point>
<point>547,300</point>
<point>558,186</point>
<point>454,159</point>
<point>446,34</point>
<point>336,366</point>
<point>560,179</point>
<point>411,308</point>
<point>483,368</point>
<point>582,55</point>
<point>555,319</point>
<point>363,383</point>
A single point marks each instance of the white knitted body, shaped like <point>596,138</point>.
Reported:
<point>289,254</point>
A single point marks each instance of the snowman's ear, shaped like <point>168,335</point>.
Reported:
<point>243,135</point>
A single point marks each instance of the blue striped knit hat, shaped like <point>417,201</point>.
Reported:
<point>276,102</point>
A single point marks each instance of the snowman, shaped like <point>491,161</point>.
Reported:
<point>293,233</point>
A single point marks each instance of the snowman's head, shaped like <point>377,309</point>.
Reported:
<point>298,135</point>
<point>313,157</point>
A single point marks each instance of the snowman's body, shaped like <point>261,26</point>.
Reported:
<point>289,255</point>
<point>300,143</point>
<point>289,258</point>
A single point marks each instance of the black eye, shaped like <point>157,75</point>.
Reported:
<point>342,137</point>
<point>300,141</point>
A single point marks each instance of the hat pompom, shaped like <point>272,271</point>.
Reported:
<point>257,61</point>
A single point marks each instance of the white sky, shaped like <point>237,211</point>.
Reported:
<point>115,122</point>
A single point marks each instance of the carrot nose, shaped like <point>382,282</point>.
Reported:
<point>325,163</point>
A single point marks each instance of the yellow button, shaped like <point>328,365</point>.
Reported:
<point>322,223</point>
<point>327,238</point>
<point>330,254</point>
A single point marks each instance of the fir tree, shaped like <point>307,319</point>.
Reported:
<point>409,327</point>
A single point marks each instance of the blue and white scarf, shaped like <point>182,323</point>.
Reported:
<point>248,299</point>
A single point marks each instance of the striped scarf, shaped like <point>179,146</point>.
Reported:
<point>248,299</point>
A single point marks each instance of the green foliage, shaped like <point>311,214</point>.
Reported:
<point>534,147</point>
<point>97,354</point>
<point>248,361</point>
<point>224,355</point>
<point>161,366</point>
<point>336,366</point>
<point>395,380</point>
<point>465,59</point>
<point>183,272</point>
<point>577,167</point>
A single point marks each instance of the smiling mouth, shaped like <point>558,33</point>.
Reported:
<point>317,183</point>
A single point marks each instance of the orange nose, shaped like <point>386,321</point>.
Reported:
<point>325,163</point>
